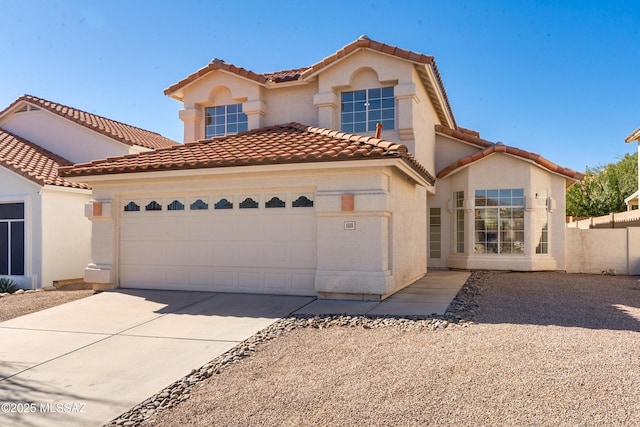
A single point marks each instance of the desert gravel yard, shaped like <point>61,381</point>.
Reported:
<point>548,349</point>
<point>12,306</point>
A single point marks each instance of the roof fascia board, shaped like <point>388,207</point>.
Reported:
<point>512,156</point>
<point>433,81</point>
<point>635,136</point>
<point>453,138</point>
<point>360,49</point>
<point>398,162</point>
<point>62,189</point>
<point>208,73</point>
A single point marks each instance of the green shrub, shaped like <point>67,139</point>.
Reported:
<point>7,285</point>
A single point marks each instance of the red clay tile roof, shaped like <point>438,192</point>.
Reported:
<point>633,136</point>
<point>32,161</point>
<point>363,42</point>
<point>491,148</point>
<point>288,143</point>
<point>127,134</point>
<point>465,135</point>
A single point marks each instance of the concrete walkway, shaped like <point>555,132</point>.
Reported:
<point>86,362</point>
<point>430,295</point>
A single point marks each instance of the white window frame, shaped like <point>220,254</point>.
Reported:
<point>231,122</point>
<point>361,110</point>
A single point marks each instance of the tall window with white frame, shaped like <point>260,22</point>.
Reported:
<point>224,120</point>
<point>542,222</point>
<point>458,222</point>
<point>361,110</point>
<point>12,239</point>
<point>499,221</point>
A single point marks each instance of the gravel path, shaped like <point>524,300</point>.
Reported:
<point>549,349</point>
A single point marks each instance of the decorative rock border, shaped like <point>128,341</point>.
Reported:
<point>20,292</point>
<point>460,314</point>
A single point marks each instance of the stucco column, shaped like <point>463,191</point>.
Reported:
<point>353,244</point>
<point>103,230</point>
<point>193,119</point>
<point>405,94</point>
<point>327,103</point>
<point>255,111</point>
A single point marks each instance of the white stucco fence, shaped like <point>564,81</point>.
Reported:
<point>595,251</point>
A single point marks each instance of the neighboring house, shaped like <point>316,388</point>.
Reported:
<point>632,200</point>
<point>44,236</point>
<point>327,207</point>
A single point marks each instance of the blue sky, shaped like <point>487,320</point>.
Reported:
<point>560,78</point>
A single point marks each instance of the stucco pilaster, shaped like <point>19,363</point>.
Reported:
<point>193,119</point>
<point>255,111</point>
<point>348,238</point>
<point>406,97</point>
<point>327,104</point>
<point>103,244</point>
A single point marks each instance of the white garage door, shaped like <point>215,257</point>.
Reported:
<point>238,243</point>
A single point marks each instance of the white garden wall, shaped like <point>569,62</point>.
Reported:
<point>596,251</point>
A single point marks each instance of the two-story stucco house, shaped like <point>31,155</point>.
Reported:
<point>44,236</point>
<point>283,186</point>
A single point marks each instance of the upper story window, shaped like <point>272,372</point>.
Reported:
<point>361,110</point>
<point>224,120</point>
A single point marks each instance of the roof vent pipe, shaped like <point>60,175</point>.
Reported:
<point>378,130</point>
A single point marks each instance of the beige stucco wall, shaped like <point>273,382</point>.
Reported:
<point>16,189</point>
<point>521,174</point>
<point>423,120</point>
<point>66,234</point>
<point>291,104</point>
<point>449,150</point>
<point>62,137</point>
<point>385,252</point>
<point>596,251</point>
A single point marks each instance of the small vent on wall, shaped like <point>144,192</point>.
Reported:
<point>349,225</point>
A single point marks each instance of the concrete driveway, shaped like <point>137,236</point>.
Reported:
<point>86,362</point>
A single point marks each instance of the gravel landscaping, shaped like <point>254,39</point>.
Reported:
<point>542,349</point>
<point>21,303</point>
<point>514,349</point>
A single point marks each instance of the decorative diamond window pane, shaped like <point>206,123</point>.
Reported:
<point>302,202</point>
<point>176,206</point>
<point>275,202</point>
<point>375,93</point>
<point>153,206</point>
<point>131,207</point>
<point>388,102</point>
<point>199,205</point>
<point>249,203</point>
<point>224,204</point>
